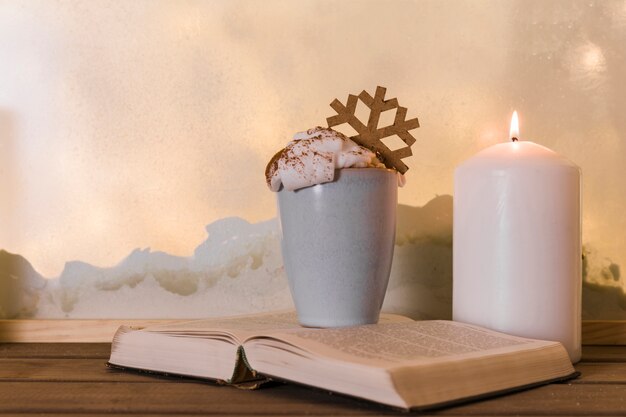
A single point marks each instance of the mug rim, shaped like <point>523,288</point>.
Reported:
<point>347,172</point>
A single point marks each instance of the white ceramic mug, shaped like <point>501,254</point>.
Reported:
<point>337,241</point>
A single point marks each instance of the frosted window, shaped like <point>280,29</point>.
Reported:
<point>128,125</point>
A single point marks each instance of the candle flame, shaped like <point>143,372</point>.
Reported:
<point>514,131</point>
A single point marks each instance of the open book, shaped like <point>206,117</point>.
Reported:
<point>398,362</point>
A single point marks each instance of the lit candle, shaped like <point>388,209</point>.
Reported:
<point>517,242</point>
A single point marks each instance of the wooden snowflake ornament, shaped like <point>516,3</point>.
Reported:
<point>370,135</point>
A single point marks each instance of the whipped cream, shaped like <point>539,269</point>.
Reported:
<point>312,158</point>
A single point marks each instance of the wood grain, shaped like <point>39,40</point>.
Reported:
<point>570,399</point>
<point>71,330</point>
<point>61,379</point>
<point>95,370</point>
<point>167,397</point>
<point>67,370</point>
<point>594,332</point>
<point>604,354</point>
<point>55,350</point>
<point>602,373</point>
<point>604,332</point>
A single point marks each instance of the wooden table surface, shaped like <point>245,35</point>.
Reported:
<point>73,379</point>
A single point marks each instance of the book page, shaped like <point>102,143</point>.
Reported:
<point>387,344</point>
<point>237,327</point>
<point>246,326</point>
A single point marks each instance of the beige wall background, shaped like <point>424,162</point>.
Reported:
<point>127,124</point>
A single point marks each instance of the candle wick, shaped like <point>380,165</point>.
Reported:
<point>514,139</point>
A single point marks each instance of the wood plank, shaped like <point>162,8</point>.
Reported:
<point>167,397</point>
<point>601,372</point>
<point>47,379</point>
<point>555,399</point>
<point>604,332</point>
<point>34,397</point>
<point>55,350</point>
<point>69,370</point>
<point>257,413</point>
<point>253,413</point>
<point>108,414</point>
<point>103,350</point>
<point>71,330</point>
<point>95,370</point>
<point>594,332</point>
<point>604,354</point>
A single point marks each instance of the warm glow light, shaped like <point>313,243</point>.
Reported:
<point>593,59</point>
<point>514,131</point>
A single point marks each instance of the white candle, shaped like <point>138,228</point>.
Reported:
<point>517,243</point>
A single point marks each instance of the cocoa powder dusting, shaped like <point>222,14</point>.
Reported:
<point>272,166</point>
